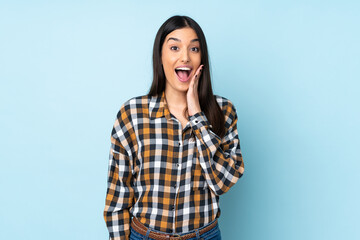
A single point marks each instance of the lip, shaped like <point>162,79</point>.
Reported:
<point>188,66</point>
<point>188,78</point>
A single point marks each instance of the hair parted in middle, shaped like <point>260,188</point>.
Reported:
<point>207,99</point>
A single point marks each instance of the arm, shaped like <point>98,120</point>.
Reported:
<point>220,159</point>
<point>119,196</point>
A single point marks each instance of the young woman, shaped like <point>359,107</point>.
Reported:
<point>175,150</point>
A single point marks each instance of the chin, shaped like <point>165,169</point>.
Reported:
<point>178,86</point>
<point>182,89</point>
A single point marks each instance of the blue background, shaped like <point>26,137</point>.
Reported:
<point>290,67</point>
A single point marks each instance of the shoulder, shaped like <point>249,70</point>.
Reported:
<point>133,106</point>
<point>126,115</point>
<point>225,104</point>
<point>135,102</point>
<point>130,110</point>
<point>228,109</point>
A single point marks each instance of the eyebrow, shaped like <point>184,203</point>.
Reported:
<point>178,40</point>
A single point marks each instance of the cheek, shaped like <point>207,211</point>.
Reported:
<point>168,65</point>
<point>196,59</point>
<point>167,69</point>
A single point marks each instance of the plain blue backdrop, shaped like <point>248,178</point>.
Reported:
<point>290,67</point>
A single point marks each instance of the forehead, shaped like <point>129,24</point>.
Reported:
<point>183,34</point>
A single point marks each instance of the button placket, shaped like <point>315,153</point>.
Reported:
<point>177,165</point>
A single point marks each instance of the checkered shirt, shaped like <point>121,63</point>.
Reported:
<point>166,176</point>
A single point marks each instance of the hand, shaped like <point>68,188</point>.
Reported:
<point>192,95</point>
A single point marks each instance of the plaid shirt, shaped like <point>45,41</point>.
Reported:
<point>169,178</point>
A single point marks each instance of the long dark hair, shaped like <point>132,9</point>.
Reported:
<point>207,99</point>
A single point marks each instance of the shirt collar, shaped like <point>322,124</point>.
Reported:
<point>158,107</point>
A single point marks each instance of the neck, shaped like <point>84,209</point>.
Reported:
<point>175,100</point>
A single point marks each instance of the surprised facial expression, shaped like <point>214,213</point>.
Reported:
<point>181,57</point>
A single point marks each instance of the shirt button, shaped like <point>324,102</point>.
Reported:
<point>196,121</point>
<point>179,143</point>
<point>174,186</point>
<point>177,165</point>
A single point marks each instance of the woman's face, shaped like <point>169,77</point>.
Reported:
<point>181,56</point>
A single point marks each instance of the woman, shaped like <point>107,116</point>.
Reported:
<point>175,150</point>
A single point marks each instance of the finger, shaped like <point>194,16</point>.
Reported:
<point>197,73</point>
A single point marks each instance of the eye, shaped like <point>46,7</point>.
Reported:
<point>195,49</point>
<point>174,48</point>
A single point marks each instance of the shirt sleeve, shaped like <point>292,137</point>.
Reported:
<point>120,193</point>
<point>220,159</point>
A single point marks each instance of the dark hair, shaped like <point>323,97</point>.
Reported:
<point>207,99</point>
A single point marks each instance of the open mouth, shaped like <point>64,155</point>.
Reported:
<point>183,74</point>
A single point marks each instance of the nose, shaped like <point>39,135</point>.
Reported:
<point>185,56</point>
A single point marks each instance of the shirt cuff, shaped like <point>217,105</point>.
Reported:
<point>199,120</point>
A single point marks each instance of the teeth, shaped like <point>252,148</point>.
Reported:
<point>183,68</point>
